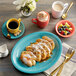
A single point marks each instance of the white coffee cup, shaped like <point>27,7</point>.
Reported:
<point>57,13</point>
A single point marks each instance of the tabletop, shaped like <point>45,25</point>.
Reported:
<point>8,10</point>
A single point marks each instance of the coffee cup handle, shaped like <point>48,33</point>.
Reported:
<point>34,19</point>
<point>19,20</point>
<point>65,5</point>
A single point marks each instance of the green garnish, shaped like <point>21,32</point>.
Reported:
<point>36,0</point>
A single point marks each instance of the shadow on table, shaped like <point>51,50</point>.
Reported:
<point>26,74</point>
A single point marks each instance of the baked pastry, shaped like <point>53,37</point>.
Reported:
<point>38,51</point>
<point>28,58</point>
<point>49,40</point>
<point>47,46</point>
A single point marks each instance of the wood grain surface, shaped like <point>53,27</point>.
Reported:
<point>7,11</point>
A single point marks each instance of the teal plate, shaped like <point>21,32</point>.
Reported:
<point>39,67</point>
<point>5,32</point>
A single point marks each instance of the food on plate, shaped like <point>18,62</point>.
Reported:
<point>38,51</point>
<point>17,33</point>
<point>65,29</point>
<point>27,57</point>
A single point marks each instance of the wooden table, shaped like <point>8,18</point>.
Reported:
<point>7,10</point>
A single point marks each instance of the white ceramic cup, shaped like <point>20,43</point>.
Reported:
<point>58,14</point>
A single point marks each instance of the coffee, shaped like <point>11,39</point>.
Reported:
<point>13,25</point>
<point>42,16</point>
<point>58,7</point>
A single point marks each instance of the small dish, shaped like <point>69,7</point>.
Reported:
<point>63,22</point>
<point>5,32</point>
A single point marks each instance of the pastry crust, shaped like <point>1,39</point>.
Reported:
<point>50,40</point>
<point>35,51</point>
<point>27,58</point>
<point>47,42</point>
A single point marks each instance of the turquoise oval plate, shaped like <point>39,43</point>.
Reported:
<point>39,67</point>
<point>5,32</point>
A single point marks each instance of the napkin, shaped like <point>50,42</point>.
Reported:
<point>69,67</point>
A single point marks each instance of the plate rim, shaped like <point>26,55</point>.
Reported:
<point>17,67</point>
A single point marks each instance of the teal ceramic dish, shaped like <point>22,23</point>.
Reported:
<point>5,32</point>
<point>39,67</point>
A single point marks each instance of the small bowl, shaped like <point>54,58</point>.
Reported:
<point>63,22</point>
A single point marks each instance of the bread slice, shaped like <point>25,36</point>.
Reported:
<point>37,52</point>
<point>49,40</point>
<point>27,58</point>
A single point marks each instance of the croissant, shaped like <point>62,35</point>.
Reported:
<point>38,51</point>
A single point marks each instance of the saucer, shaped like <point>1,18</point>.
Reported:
<point>5,32</point>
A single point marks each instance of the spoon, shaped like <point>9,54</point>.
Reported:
<point>64,16</point>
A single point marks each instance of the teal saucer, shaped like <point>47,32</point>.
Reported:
<point>5,32</point>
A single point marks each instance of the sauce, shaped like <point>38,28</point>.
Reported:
<point>45,59</point>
